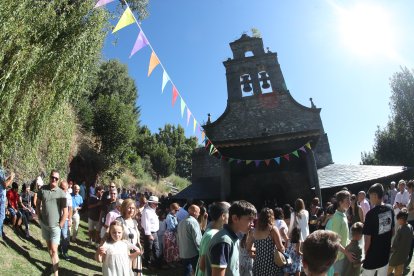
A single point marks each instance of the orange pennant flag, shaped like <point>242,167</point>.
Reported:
<point>154,61</point>
<point>175,95</point>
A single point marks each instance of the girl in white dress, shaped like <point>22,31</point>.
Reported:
<point>115,252</point>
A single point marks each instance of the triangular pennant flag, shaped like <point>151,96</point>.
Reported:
<point>286,156</point>
<point>214,151</point>
<point>139,43</point>
<point>295,153</point>
<point>126,19</point>
<point>277,159</point>
<point>248,162</point>
<point>267,161</point>
<point>208,143</point>
<point>182,107</point>
<point>257,162</point>
<point>174,96</point>
<point>188,116</point>
<point>165,79</point>
<point>302,149</point>
<point>239,161</point>
<point>308,145</point>
<point>203,135</point>
<point>102,3</point>
<point>154,61</point>
<point>211,149</point>
<point>194,124</point>
<point>231,160</point>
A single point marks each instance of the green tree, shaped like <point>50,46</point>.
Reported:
<point>162,161</point>
<point>115,125</point>
<point>394,145</point>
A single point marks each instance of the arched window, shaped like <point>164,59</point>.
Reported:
<point>246,85</point>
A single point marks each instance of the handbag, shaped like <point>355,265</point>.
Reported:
<point>279,258</point>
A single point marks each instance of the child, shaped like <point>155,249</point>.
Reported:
<point>293,250</point>
<point>245,258</point>
<point>401,245</point>
<point>319,252</point>
<point>115,252</point>
<point>354,269</point>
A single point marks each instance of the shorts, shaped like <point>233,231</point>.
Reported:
<point>13,212</point>
<point>51,233</point>
<point>93,225</point>
<point>339,266</point>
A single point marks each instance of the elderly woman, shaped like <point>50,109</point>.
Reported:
<point>265,237</point>
<point>131,232</point>
<point>170,236</point>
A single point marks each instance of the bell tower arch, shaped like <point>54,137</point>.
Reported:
<point>252,71</point>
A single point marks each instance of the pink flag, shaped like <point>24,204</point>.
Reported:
<point>139,43</point>
<point>175,95</point>
<point>286,156</point>
<point>102,3</point>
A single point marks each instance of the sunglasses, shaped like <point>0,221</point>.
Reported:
<point>54,178</point>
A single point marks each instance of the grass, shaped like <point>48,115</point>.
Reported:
<point>21,256</point>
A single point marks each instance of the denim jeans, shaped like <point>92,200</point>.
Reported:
<point>2,217</point>
<point>64,238</point>
<point>189,265</point>
<point>152,251</point>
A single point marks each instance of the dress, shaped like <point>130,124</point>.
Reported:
<point>117,262</point>
<point>246,262</point>
<point>296,265</point>
<point>264,262</point>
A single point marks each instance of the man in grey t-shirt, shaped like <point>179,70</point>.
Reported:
<point>51,207</point>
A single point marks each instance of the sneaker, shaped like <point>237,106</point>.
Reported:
<point>27,233</point>
<point>66,257</point>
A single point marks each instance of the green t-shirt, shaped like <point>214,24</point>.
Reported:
<point>204,247</point>
<point>339,224</point>
<point>53,202</point>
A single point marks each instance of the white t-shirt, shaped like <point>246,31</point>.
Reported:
<point>281,226</point>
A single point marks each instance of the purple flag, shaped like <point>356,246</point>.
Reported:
<point>139,43</point>
<point>257,162</point>
<point>102,3</point>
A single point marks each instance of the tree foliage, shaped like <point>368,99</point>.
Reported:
<point>394,145</point>
<point>162,161</point>
<point>49,49</point>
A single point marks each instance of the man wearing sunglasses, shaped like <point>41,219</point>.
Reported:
<point>51,207</point>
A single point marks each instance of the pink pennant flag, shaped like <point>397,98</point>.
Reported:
<point>188,115</point>
<point>174,96</point>
<point>154,61</point>
<point>139,43</point>
<point>267,161</point>
<point>286,156</point>
<point>102,3</point>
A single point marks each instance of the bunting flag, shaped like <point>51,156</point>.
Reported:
<point>139,43</point>
<point>174,96</point>
<point>188,116</point>
<point>239,161</point>
<point>211,149</point>
<point>308,145</point>
<point>277,159</point>
<point>214,151</point>
<point>295,153</point>
<point>203,135</point>
<point>154,61</point>
<point>231,160</point>
<point>165,79</point>
<point>257,162</point>
<point>126,19</point>
<point>208,143</point>
<point>267,161</point>
<point>194,124</point>
<point>302,149</point>
<point>248,162</point>
<point>182,107</point>
<point>102,3</point>
<point>286,156</point>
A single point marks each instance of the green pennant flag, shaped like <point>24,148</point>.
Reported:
<point>231,160</point>
<point>295,153</point>
<point>248,162</point>
<point>211,149</point>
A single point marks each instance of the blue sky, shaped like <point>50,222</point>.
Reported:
<point>340,53</point>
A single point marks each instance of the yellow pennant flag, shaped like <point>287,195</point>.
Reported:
<point>308,145</point>
<point>194,125</point>
<point>126,19</point>
<point>154,61</point>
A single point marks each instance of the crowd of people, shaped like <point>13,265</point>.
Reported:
<point>348,235</point>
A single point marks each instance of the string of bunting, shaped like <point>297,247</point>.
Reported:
<point>277,159</point>
<point>141,42</point>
